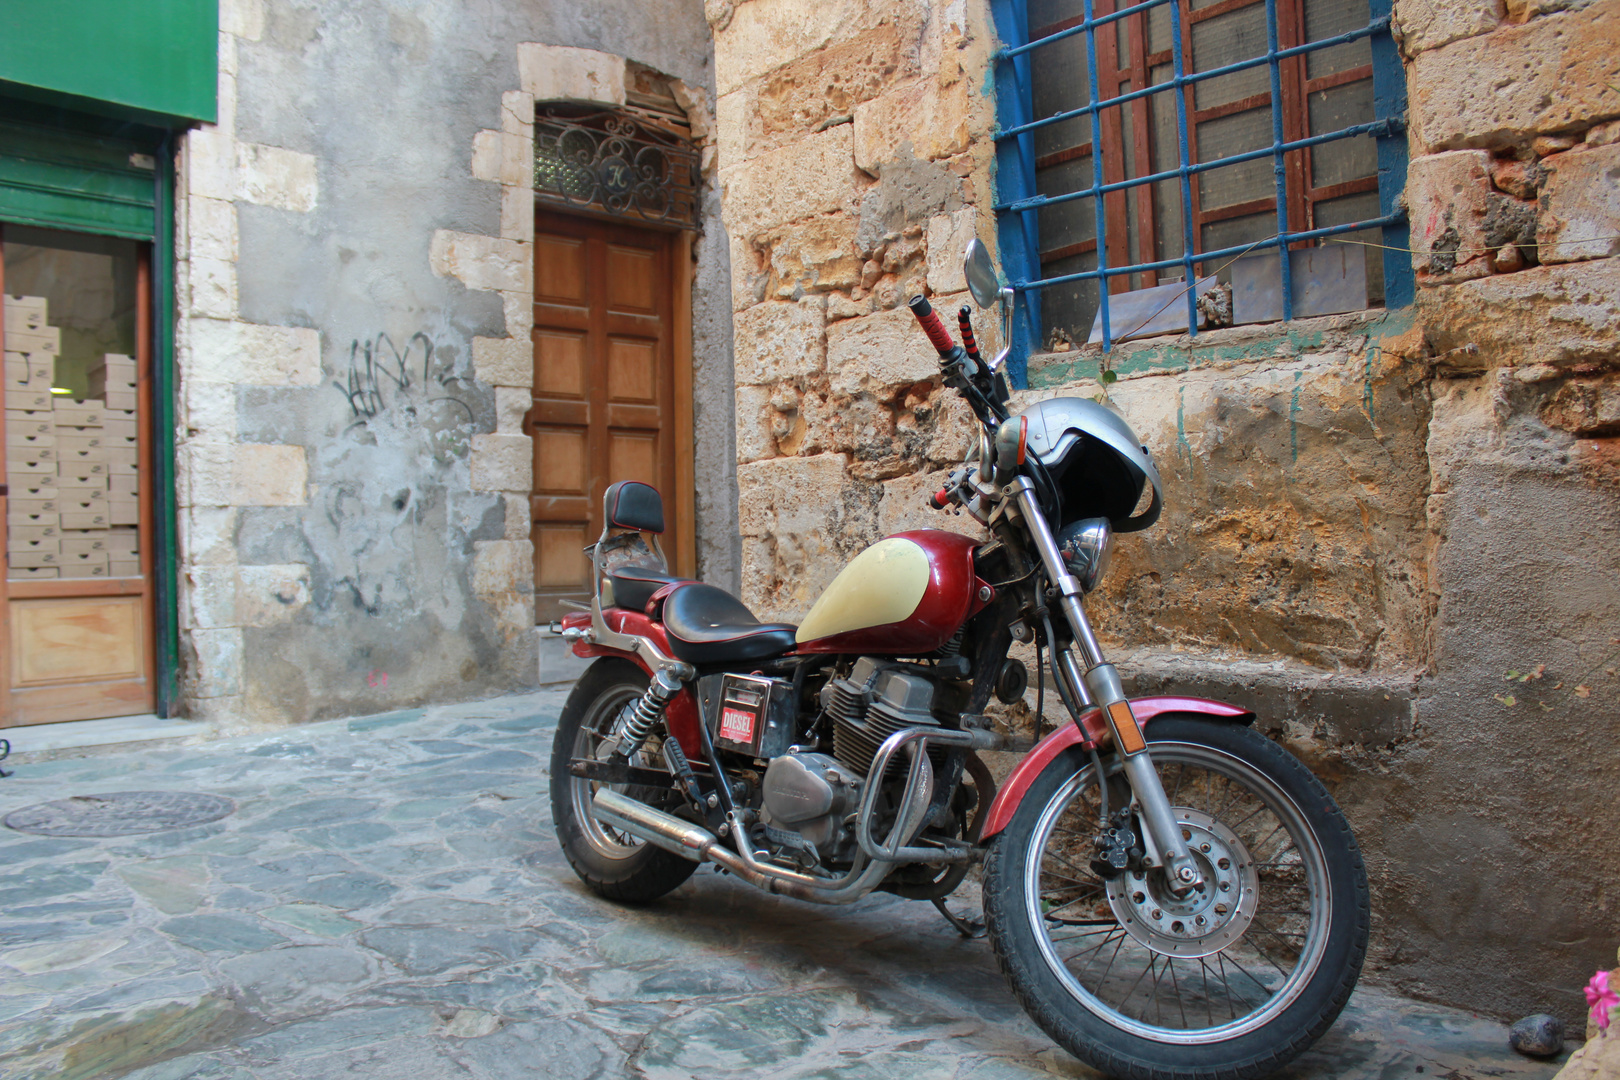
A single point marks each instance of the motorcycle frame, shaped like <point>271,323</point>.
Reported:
<point>1092,681</point>
<point>878,857</point>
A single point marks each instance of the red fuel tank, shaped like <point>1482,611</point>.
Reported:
<point>904,596</point>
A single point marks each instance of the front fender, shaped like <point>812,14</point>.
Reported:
<point>1013,791</point>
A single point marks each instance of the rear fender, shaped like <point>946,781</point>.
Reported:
<point>1146,709</point>
<point>681,714</point>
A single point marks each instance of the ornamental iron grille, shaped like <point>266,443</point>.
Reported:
<point>615,163</point>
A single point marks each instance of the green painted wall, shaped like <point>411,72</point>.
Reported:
<point>149,60</point>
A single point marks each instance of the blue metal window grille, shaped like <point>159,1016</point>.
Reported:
<point>1116,196</point>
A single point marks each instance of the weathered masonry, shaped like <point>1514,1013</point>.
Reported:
<point>393,329</point>
<point>1392,521</point>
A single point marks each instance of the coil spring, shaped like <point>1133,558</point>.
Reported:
<point>646,712</point>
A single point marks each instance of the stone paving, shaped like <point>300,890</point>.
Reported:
<point>388,901</point>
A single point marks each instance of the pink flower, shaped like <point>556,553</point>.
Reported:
<point>1601,997</point>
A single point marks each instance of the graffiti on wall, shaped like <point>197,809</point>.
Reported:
<point>383,376</point>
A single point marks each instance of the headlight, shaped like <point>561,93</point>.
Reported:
<point>1085,545</point>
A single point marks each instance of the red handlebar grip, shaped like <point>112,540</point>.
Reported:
<point>939,499</point>
<point>964,322</point>
<point>931,325</point>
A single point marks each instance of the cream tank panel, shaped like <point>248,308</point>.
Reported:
<point>882,585</point>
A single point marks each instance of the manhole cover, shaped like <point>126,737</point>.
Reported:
<point>120,813</point>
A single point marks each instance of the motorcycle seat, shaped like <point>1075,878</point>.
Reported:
<point>706,625</point>
<point>633,586</point>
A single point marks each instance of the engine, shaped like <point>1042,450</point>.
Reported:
<point>806,799</point>
<point>877,700</point>
<point>808,796</point>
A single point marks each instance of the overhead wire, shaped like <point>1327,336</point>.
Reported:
<point>1473,250</point>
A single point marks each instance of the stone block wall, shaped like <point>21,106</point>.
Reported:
<point>355,287</point>
<point>1371,519</point>
<point>851,179</point>
<point>1494,882</point>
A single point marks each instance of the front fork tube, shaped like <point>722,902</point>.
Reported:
<point>1100,683</point>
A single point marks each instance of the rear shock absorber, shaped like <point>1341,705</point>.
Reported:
<point>643,716</point>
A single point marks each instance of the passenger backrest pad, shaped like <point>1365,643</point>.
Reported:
<point>630,504</point>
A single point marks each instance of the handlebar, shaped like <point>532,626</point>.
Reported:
<point>966,371</point>
<point>932,326</point>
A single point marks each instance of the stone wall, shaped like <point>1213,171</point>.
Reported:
<point>354,362</point>
<point>1371,519</point>
<point>852,179</point>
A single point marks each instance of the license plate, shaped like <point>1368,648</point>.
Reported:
<point>737,725</point>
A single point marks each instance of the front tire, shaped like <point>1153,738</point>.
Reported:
<point>611,863</point>
<point>1231,982</point>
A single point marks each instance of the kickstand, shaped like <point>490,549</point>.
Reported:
<point>968,928</point>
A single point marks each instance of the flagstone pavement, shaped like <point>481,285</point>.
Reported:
<point>388,901</point>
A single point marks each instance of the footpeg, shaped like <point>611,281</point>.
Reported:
<point>675,758</point>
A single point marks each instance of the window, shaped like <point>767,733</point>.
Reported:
<point>1227,130</point>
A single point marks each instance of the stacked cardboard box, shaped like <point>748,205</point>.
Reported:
<point>34,520</point>
<point>71,465</point>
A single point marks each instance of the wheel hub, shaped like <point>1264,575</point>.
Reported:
<point>1205,920</point>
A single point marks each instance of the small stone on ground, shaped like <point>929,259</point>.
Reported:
<point>1539,1035</point>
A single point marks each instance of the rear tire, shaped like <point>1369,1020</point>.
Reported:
<point>1231,982</point>
<point>611,863</point>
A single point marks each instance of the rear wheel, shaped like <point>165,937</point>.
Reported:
<point>611,862</point>
<point>1231,981</point>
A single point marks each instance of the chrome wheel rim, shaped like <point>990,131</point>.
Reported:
<point>1201,983</point>
<point>597,724</point>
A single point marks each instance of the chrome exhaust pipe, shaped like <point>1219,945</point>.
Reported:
<point>694,842</point>
<point>663,830</point>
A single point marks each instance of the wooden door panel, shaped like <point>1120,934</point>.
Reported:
<point>562,462</point>
<point>559,267</point>
<point>559,364</point>
<point>633,455</point>
<point>632,278</point>
<point>559,555</point>
<point>78,640</point>
<point>632,370</point>
<point>603,407</point>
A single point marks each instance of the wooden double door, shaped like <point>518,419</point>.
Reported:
<point>609,400</point>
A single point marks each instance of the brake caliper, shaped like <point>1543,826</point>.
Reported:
<point>1118,849</point>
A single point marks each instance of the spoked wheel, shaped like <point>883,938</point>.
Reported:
<point>1231,980</point>
<point>611,862</point>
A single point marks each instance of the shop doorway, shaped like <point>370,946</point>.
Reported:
<point>77,612</point>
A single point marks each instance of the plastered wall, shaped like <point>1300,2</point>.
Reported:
<point>1372,520</point>
<point>354,361</point>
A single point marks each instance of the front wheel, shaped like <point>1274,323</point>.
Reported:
<point>1231,981</point>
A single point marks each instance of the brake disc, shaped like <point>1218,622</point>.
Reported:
<point>1207,919</point>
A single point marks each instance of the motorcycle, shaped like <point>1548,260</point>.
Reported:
<point>1169,893</point>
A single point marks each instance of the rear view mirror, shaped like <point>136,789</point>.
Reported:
<point>985,285</point>
<point>983,281</point>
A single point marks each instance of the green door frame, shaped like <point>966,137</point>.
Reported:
<point>64,174</point>
<point>165,526</point>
